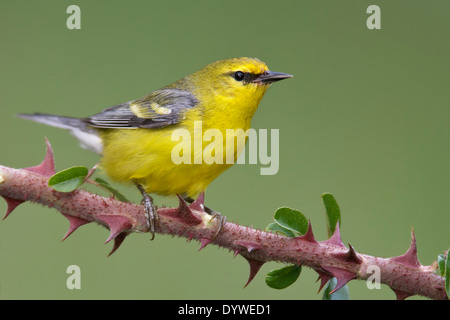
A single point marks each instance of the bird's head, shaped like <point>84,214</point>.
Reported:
<point>237,82</point>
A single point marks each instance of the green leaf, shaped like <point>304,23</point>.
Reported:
<point>333,212</point>
<point>447,274</point>
<point>292,220</point>
<point>341,294</point>
<point>441,264</point>
<point>284,277</point>
<point>279,229</point>
<point>68,180</point>
<point>108,187</point>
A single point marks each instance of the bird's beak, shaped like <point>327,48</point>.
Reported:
<point>271,76</point>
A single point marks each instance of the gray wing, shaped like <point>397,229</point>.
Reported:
<point>159,109</point>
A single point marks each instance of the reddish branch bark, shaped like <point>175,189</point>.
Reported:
<point>330,258</point>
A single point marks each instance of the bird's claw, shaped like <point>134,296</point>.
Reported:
<point>222,219</point>
<point>150,211</point>
<point>151,215</point>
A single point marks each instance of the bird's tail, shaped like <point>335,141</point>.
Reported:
<point>87,136</point>
<point>54,121</point>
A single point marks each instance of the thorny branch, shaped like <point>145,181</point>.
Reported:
<point>330,258</point>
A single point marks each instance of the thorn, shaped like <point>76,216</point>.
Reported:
<point>12,204</point>
<point>349,256</point>
<point>116,224</point>
<point>190,237</point>
<point>401,295</point>
<point>255,266</point>
<point>74,224</point>
<point>47,166</point>
<point>352,255</point>
<point>343,276</point>
<point>308,236</point>
<point>183,207</point>
<point>249,245</point>
<point>324,278</point>
<point>204,242</point>
<point>182,214</point>
<point>409,258</point>
<point>335,239</point>
<point>118,241</point>
<point>236,252</point>
<point>199,203</point>
<point>186,213</point>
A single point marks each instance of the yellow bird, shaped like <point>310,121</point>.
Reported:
<point>135,138</point>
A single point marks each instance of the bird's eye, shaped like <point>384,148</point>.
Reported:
<point>239,76</point>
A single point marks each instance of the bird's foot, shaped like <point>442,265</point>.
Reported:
<point>222,219</point>
<point>150,211</point>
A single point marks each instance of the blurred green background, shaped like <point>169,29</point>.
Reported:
<point>366,117</point>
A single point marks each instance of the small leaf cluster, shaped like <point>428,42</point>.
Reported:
<point>70,179</point>
<point>292,223</point>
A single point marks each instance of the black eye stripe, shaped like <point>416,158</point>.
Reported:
<point>247,76</point>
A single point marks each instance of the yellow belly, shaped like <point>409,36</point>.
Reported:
<point>144,156</point>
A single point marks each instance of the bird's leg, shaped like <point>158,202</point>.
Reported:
<point>150,210</point>
<point>214,215</point>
